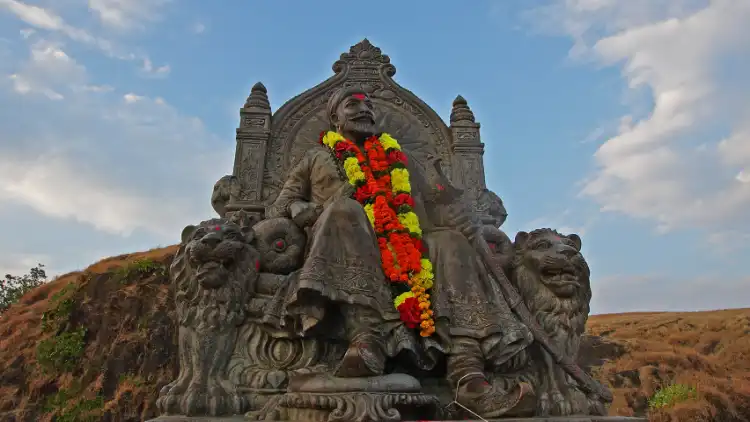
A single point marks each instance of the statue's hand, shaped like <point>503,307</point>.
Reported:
<point>304,214</point>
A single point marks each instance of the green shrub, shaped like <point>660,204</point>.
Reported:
<point>61,308</point>
<point>81,410</point>
<point>671,395</point>
<point>139,267</point>
<point>13,287</point>
<point>62,352</point>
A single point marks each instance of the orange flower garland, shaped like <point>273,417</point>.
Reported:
<point>382,187</point>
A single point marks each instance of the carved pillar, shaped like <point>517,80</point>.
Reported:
<point>250,156</point>
<point>467,148</point>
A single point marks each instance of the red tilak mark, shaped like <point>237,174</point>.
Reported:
<point>359,96</point>
<point>257,265</point>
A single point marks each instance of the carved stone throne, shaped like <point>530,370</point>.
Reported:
<point>256,367</point>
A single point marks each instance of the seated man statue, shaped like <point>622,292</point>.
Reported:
<point>390,247</point>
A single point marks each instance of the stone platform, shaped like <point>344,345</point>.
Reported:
<point>550,419</point>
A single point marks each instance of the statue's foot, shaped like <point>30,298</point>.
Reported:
<point>489,401</point>
<point>362,359</point>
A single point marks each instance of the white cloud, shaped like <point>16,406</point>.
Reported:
<point>119,162</point>
<point>48,71</point>
<point>684,163</point>
<point>149,69</point>
<point>126,14</point>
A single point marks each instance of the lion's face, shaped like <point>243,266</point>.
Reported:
<point>556,259</point>
<point>216,249</point>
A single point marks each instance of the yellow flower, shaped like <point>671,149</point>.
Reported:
<point>400,180</point>
<point>370,214</point>
<point>331,138</point>
<point>424,279</point>
<point>401,298</point>
<point>411,222</point>
<point>388,142</point>
<point>426,264</point>
<point>353,170</point>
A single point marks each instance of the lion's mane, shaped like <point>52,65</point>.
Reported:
<point>563,318</point>
<point>212,307</point>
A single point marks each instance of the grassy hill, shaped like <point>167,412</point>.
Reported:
<point>99,344</point>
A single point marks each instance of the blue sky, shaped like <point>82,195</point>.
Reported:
<point>626,122</point>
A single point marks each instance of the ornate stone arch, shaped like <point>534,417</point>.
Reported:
<point>269,144</point>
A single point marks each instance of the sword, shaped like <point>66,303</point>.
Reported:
<point>588,384</point>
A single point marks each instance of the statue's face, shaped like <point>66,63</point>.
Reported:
<point>355,116</point>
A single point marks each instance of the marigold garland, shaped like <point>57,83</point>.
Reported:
<point>382,185</point>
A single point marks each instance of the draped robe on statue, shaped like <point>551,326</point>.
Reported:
<point>342,265</point>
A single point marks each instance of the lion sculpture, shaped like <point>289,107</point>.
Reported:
<point>552,277</point>
<point>213,272</point>
<point>223,190</point>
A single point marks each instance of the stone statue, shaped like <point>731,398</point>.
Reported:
<point>361,275</point>
<point>474,325</point>
<point>213,271</point>
<point>552,277</point>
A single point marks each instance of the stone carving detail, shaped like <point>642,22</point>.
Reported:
<point>224,189</point>
<point>258,98</point>
<point>490,209</point>
<point>213,272</point>
<point>251,153</point>
<point>552,277</point>
<point>285,323</point>
<point>461,111</point>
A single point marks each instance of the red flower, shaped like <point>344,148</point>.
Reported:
<point>363,193</point>
<point>403,198</point>
<point>419,245</point>
<point>396,156</point>
<point>440,187</point>
<point>342,147</point>
<point>410,312</point>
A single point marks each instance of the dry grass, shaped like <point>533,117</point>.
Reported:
<point>129,351</point>
<point>128,320</point>
<point>708,351</point>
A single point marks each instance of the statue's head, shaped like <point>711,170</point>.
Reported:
<point>351,113</point>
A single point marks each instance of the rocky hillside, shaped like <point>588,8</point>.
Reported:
<point>97,345</point>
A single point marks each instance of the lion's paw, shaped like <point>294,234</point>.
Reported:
<point>596,406</point>
<point>561,406</point>
<point>210,399</point>
<point>543,405</point>
<point>176,387</point>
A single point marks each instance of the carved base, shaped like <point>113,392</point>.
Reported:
<point>349,407</point>
<point>551,419</point>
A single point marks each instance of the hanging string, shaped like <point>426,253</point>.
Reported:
<point>455,398</point>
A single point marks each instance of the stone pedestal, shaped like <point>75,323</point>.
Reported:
<point>552,419</point>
